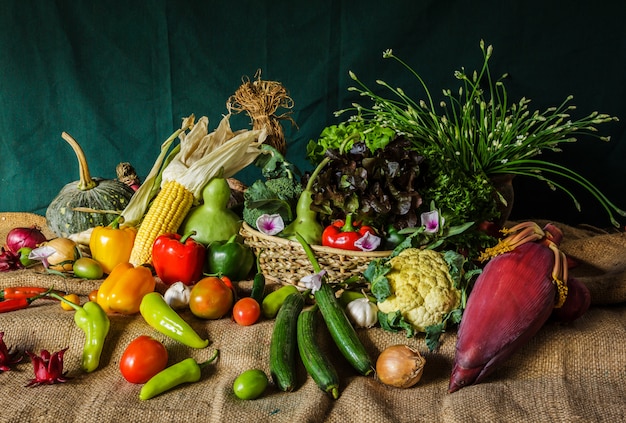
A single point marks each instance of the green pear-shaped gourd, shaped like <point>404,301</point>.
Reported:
<point>306,224</point>
<point>212,220</point>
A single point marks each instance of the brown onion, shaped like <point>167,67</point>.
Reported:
<point>65,256</point>
<point>400,366</point>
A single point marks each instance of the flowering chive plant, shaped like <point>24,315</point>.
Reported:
<point>478,132</point>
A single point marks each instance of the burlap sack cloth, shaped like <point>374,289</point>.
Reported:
<point>567,373</point>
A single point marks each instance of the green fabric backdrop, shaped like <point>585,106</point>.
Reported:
<point>119,76</point>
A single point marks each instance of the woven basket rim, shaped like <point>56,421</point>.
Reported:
<point>316,248</point>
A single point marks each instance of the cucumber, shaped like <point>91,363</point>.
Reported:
<point>316,362</point>
<point>283,344</point>
<point>342,331</point>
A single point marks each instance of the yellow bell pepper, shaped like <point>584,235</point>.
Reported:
<point>123,290</point>
<point>111,245</point>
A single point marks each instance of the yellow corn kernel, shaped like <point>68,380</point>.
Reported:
<point>165,215</point>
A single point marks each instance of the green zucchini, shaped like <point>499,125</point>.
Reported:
<point>283,344</point>
<point>316,362</point>
<point>342,331</point>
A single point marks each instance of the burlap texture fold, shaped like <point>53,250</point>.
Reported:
<point>566,373</point>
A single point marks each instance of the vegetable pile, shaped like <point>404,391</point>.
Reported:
<point>170,249</point>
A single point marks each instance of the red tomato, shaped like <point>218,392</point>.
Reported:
<point>211,298</point>
<point>143,358</point>
<point>246,311</point>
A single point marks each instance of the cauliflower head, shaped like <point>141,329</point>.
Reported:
<point>422,288</point>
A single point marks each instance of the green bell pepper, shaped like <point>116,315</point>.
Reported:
<point>393,238</point>
<point>231,258</point>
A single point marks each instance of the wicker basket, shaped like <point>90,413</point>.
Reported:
<point>285,261</point>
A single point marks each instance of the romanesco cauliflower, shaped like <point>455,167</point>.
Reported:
<point>421,288</point>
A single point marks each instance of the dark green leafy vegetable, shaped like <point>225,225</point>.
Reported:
<point>278,193</point>
<point>378,188</point>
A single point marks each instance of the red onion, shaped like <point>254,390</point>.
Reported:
<point>24,237</point>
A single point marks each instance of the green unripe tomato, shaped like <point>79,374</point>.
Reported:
<point>250,384</point>
<point>87,268</point>
<point>24,252</point>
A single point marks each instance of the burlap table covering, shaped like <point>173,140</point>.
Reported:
<point>567,373</point>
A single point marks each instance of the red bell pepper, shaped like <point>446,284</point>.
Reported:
<point>178,258</point>
<point>344,234</point>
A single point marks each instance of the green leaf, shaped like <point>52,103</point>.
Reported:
<point>433,335</point>
<point>395,322</point>
<point>375,274</point>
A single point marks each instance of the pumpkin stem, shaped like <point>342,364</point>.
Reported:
<point>86,182</point>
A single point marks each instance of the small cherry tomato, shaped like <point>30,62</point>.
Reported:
<point>250,384</point>
<point>70,297</point>
<point>211,298</point>
<point>93,296</point>
<point>87,268</point>
<point>246,311</point>
<point>143,358</point>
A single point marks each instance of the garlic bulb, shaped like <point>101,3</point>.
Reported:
<point>177,295</point>
<point>362,312</point>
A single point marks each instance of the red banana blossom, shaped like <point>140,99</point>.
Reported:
<point>513,297</point>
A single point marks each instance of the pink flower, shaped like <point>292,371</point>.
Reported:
<point>431,221</point>
<point>313,282</point>
<point>270,224</point>
<point>48,368</point>
<point>6,356</point>
<point>368,242</point>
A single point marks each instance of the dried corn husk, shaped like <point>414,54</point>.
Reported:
<point>198,157</point>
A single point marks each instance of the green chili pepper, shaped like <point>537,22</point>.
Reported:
<point>275,299</point>
<point>186,371</point>
<point>258,284</point>
<point>231,258</point>
<point>92,319</point>
<point>158,314</point>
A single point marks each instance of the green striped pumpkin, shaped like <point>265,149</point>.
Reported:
<point>64,215</point>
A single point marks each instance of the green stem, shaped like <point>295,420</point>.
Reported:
<point>210,360</point>
<point>65,300</point>
<point>309,253</point>
<point>318,169</point>
<point>348,226</point>
<point>186,236</point>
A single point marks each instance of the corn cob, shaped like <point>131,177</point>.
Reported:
<point>202,156</point>
<point>165,215</point>
<point>513,297</point>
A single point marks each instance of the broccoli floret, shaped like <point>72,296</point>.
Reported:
<point>278,195</point>
<point>287,188</point>
<point>251,215</point>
